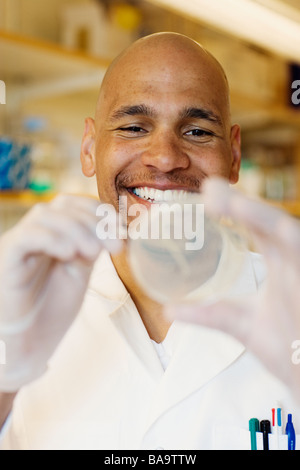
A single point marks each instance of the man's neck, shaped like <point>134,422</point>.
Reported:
<point>150,311</point>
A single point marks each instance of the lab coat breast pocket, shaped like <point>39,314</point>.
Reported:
<point>233,438</point>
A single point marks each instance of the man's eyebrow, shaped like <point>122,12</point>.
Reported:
<point>201,113</point>
<point>135,110</point>
<point>186,113</point>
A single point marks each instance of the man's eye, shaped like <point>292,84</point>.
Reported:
<point>199,133</point>
<point>133,129</point>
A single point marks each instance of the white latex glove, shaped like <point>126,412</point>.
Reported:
<point>45,264</point>
<point>268,323</point>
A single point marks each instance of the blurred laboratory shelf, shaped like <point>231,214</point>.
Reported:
<point>23,199</point>
<point>27,198</point>
<point>46,79</point>
<point>45,67</point>
<point>15,204</point>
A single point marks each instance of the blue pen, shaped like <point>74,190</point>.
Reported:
<point>290,431</point>
<point>278,427</point>
<point>279,423</point>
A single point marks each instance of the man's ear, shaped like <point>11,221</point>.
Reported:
<point>87,154</point>
<point>235,138</point>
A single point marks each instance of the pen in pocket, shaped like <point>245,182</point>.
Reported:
<point>290,431</point>
<point>265,428</point>
<point>253,428</point>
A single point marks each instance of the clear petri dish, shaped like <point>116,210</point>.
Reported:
<point>182,254</point>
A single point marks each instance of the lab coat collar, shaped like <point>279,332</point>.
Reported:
<point>105,280</point>
<point>199,354</point>
<point>115,301</point>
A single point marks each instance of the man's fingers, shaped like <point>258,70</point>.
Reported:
<point>272,227</point>
<point>84,210</point>
<point>63,229</point>
<point>221,199</point>
<point>60,241</point>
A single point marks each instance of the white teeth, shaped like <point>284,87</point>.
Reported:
<point>157,195</point>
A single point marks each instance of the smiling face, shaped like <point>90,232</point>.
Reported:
<point>162,123</point>
<point>162,126</point>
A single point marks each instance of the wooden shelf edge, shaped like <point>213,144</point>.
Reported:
<point>51,47</point>
<point>24,198</point>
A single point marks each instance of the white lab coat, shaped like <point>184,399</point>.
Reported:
<point>106,388</point>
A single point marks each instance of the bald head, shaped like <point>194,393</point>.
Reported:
<point>166,53</point>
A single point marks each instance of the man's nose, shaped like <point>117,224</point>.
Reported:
<point>165,153</point>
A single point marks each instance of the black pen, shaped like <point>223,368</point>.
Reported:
<point>265,428</point>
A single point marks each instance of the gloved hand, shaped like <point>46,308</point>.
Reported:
<point>268,323</point>
<point>45,264</point>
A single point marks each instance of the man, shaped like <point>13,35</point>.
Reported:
<point>121,374</point>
